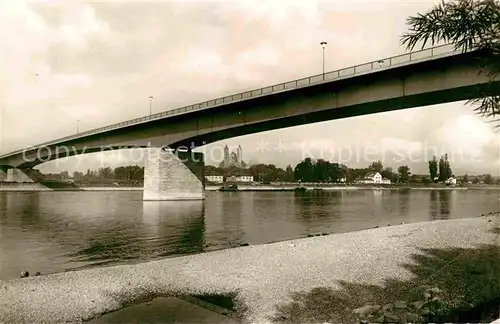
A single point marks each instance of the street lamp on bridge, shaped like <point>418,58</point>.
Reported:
<point>78,126</point>
<point>323,44</point>
<point>150,105</point>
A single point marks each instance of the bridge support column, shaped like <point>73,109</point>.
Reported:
<point>3,175</point>
<point>17,175</point>
<point>173,175</point>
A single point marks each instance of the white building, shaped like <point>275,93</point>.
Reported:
<point>451,182</point>
<point>375,178</point>
<point>244,179</point>
<point>215,178</point>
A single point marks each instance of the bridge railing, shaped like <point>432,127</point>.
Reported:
<point>348,72</point>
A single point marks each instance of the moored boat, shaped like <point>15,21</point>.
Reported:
<point>232,187</point>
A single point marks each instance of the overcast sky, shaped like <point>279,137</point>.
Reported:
<point>99,62</point>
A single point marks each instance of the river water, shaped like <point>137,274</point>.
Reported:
<point>60,231</point>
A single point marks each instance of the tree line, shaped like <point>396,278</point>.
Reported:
<point>440,171</point>
<point>308,170</point>
<point>131,173</point>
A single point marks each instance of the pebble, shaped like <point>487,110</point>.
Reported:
<point>387,307</point>
<point>391,318</point>
<point>366,310</point>
<point>400,304</point>
<point>418,304</point>
<point>413,318</point>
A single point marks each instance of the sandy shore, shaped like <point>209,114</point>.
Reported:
<point>262,275</point>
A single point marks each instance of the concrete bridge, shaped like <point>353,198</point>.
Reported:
<point>173,172</point>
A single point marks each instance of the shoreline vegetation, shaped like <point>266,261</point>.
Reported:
<point>440,271</point>
<point>296,187</point>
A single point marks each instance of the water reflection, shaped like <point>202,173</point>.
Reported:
<point>440,204</point>
<point>377,198</point>
<point>22,205</point>
<point>444,202</point>
<point>56,231</point>
<point>318,204</point>
<point>166,228</point>
<point>184,220</point>
<point>433,204</point>
<point>404,201</point>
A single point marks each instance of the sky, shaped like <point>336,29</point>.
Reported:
<point>66,65</point>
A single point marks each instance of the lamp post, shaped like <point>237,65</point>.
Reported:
<point>323,44</point>
<point>78,126</point>
<point>150,105</point>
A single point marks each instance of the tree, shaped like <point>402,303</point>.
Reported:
<point>469,25</point>
<point>387,173</point>
<point>433,168</point>
<point>404,173</point>
<point>488,179</point>
<point>415,178</point>
<point>444,168</point>
<point>466,178</point>
<point>441,170</point>
<point>78,176</point>
<point>321,170</point>
<point>376,167</point>
<point>426,180</point>
<point>304,170</point>
<point>289,173</point>
<point>335,172</point>
<point>105,173</point>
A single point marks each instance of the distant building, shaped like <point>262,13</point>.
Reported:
<point>233,158</point>
<point>214,178</point>
<point>375,178</point>
<point>243,178</point>
<point>451,182</point>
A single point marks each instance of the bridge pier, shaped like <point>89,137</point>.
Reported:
<point>17,175</point>
<point>173,175</point>
<point>3,175</point>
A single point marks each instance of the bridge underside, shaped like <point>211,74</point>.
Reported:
<point>317,112</point>
<point>420,84</point>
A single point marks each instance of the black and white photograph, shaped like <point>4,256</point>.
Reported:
<point>249,161</point>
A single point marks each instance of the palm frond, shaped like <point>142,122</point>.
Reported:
<point>469,25</point>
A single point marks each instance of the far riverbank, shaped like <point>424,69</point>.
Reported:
<point>29,187</point>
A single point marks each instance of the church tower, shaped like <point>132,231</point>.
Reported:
<point>226,156</point>
<point>239,155</point>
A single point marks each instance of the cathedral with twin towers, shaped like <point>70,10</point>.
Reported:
<point>233,159</point>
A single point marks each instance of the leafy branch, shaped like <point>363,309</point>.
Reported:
<point>471,25</point>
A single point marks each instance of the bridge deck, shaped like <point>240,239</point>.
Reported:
<point>349,72</point>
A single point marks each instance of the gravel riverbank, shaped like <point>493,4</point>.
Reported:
<point>262,276</point>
